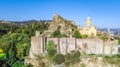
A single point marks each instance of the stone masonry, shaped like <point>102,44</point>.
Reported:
<point>66,45</point>
<point>37,45</point>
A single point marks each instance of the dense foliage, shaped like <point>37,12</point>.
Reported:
<point>50,47</point>
<point>59,58</point>
<point>71,58</point>
<point>19,64</point>
<point>76,34</point>
<point>5,28</point>
<point>52,54</point>
<point>2,55</point>
<point>15,42</point>
<point>57,33</point>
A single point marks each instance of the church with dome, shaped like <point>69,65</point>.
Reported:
<point>88,28</point>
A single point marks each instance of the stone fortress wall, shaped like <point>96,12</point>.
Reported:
<point>90,46</point>
<point>66,45</point>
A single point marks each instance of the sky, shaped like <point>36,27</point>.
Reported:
<point>103,13</point>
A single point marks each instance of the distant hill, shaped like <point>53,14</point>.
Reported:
<point>12,23</point>
<point>29,21</point>
<point>6,22</point>
<point>25,22</point>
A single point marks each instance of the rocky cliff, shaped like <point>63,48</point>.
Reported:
<point>59,23</point>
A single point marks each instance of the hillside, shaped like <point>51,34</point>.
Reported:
<point>15,37</point>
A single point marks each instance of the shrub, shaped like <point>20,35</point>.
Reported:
<point>68,56</point>
<point>56,33</point>
<point>119,41</point>
<point>85,36</point>
<point>50,46</point>
<point>58,58</point>
<point>82,65</point>
<point>104,38</point>
<point>18,64</point>
<point>76,34</point>
<point>2,55</point>
<point>71,58</point>
<point>51,53</point>
<point>77,55</point>
<point>106,57</point>
<point>91,54</point>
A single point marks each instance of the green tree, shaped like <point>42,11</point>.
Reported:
<point>15,40</point>
<point>59,58</point>
<point>11,56</point>
<point>56,33</point>
<point>50,47</point>
<point>15,46</point>
<point>85,36</point>
<point>76,34</point>
<point>51,53</point>
<point>18,64</point>
<point>76,55</point>
<point>2,55</point>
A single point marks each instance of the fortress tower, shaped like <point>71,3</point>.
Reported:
<point>37,45</point>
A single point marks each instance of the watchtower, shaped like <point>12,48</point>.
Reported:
<point>37,45</point>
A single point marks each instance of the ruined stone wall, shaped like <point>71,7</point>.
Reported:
<point>66,45</point>
<point>95,46</point>
<point>111,47</point>
<point>90,45</point>
<point>71,42</point>
<point>63,45</point>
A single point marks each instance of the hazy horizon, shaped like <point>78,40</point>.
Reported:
<point>103,13</point>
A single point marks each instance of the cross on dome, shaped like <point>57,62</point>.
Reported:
<point>88,18</point>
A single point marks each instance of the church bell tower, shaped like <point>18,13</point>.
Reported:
<point>88,21</point>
